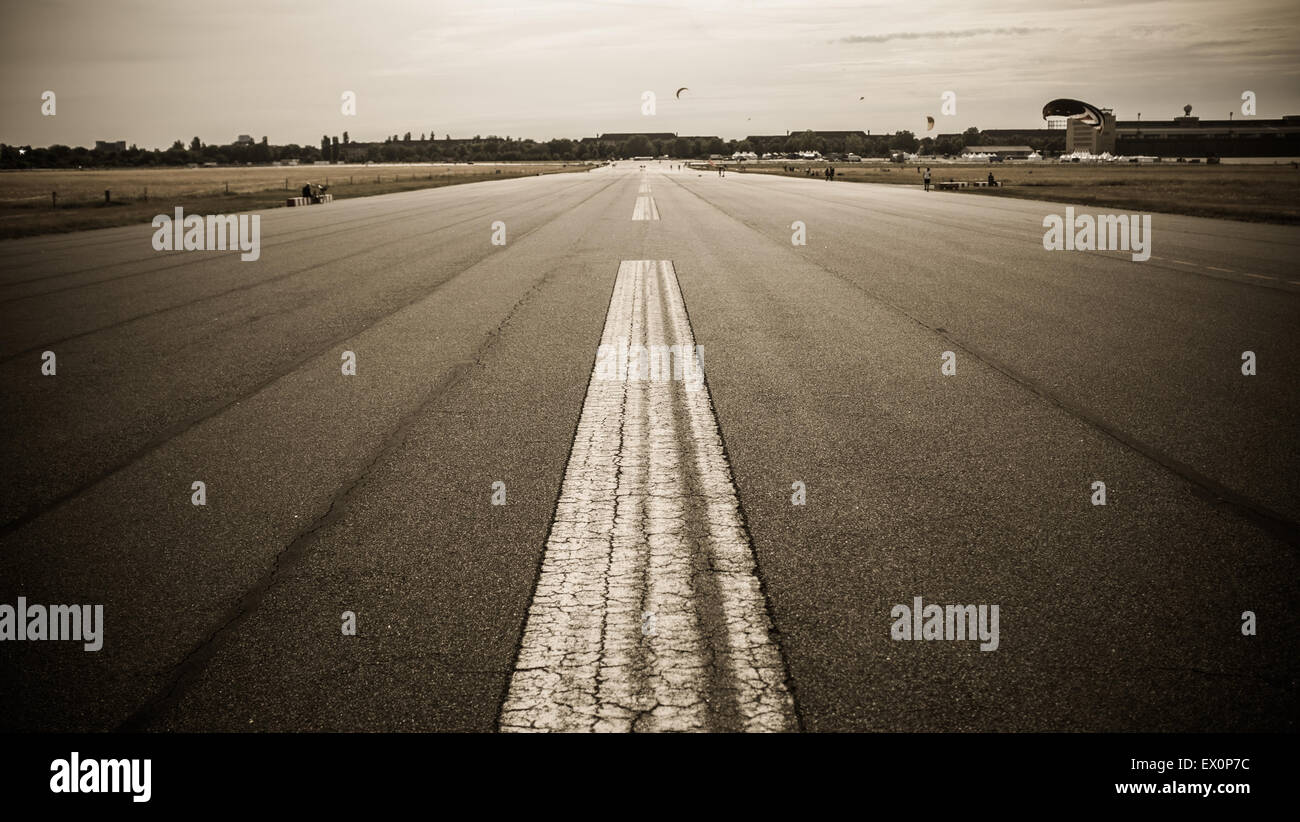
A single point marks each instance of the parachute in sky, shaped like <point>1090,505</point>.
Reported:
<point>678,95</point>
<point>1085,113</point>
<point>929,123</point>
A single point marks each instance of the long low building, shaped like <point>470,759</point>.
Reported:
<point>624,137</point>
<point>825,135</point>
<point>1005,152</point>
<point>1190,136</point>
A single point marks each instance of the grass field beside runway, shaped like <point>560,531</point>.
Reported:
<point>1260,193</point>
<point>137,194</point>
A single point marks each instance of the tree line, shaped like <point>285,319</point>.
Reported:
<point>428,148</point>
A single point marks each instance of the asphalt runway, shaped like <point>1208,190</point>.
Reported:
<point>649,569</point>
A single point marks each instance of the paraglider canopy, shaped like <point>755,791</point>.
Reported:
<point>929,123</point>
<point>1074,110</point>
<point>678,95</point>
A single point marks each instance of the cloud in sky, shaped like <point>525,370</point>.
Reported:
<point>939,35</point>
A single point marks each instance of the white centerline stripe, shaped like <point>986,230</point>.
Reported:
<point>648,615</point>
<point>645,209</point>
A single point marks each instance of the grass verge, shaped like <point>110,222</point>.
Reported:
<point>24,213</point>
<point>1267,193</point>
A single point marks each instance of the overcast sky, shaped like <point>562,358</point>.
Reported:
<point>153,72</point>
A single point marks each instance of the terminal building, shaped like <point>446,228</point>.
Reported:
<point>1190,136</point>
<point>1080,136</point>
<point>1185,136</point>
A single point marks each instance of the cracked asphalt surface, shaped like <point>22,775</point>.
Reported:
<point>372,493</point>
<point>647,615</point>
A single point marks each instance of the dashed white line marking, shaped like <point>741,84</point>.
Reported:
<point>645,188</point>
<point>1216,268</point>
<point>1259,276</point>
<point>647,615</point>
<point>645,209</point>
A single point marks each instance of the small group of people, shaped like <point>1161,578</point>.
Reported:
<point>925,179</point>
<point>312,191</point>
<point>830,173</point>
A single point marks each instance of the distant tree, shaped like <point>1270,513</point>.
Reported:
<point>903,141</point>
<point>637,146</point>
<point>972,137</point>
<point>949,144</point>
<point>407,137</point>
<point>345,138</point>
<point>802,141</point>
<point>334,150</point>
<point>196,144</point>
<point>325,147</point>
<point>560,149</point>
<point>853,144</point>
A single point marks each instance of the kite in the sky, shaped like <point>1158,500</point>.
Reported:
<point>679,92</point>
<point>929,123</point>
<point>1085,113</point>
